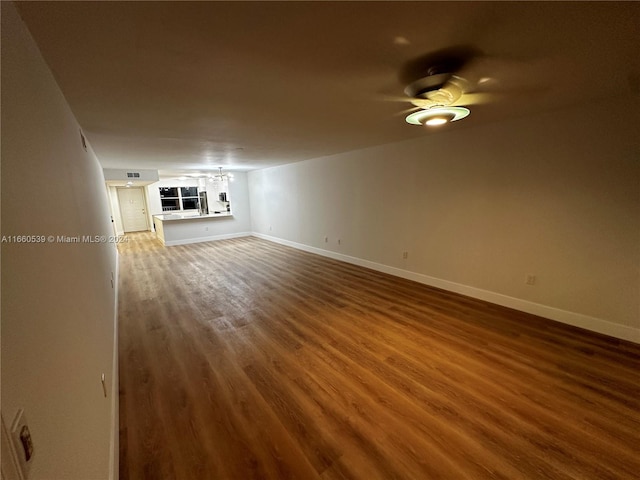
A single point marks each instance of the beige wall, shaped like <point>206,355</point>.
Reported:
<point>478,209</point>
<point>58,304</point>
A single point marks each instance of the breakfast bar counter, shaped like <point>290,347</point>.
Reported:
<point>182,228</point>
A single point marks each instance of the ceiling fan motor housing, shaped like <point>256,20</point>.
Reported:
<point>424,85</point>
<point>434,76</point>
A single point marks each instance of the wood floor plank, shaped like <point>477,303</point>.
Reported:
<point>447,439</point>
<point>246,359</point>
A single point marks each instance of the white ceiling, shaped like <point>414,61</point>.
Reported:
<point>181,86</point>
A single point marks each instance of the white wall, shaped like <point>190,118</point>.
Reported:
<point>58,305</point>
<point>478,209</point>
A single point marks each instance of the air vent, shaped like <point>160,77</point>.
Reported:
<point>133,175</point>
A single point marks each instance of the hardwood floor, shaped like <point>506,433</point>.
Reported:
<point>245,359</point>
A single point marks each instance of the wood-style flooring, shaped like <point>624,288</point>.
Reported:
<point>244,359</point>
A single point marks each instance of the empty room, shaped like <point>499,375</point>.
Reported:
<point>320,240</point>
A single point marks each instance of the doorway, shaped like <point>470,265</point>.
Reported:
<point>133,209</point>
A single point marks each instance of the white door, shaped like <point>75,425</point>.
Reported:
<point>132,209</point>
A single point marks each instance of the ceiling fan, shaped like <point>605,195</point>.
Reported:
<point>442,84</point>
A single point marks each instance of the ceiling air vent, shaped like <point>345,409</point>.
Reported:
<point>133,175</point>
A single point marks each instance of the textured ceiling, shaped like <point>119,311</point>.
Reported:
<point>182,86</point>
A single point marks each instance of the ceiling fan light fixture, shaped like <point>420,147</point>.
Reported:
<point>434,121</point>
<point>438,116</point>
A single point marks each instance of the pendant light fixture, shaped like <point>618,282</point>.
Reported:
<point>218,177</point>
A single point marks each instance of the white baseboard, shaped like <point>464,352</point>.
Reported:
<point>187,241</point>
<point>593,324</point>
<point>114,443</point>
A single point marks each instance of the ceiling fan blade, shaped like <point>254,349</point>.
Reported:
<point>480,98</point>
<point>500,75</point>
<point>406,112</point>
<point>393,98</point>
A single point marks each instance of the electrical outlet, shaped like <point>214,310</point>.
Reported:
<point>405,255</point>
<point>22,443</point>
<point>270,228</point>
<point>326,239</point>
<point>339,242</point>
<point>531,280</point>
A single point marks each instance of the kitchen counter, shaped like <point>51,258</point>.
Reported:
<point>169,217</point>
<point>183,228</point>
